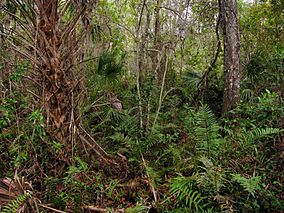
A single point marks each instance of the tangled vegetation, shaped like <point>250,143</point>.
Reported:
<point>144,142</point>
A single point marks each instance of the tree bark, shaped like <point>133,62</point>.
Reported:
<point>53,50</point>
<point>156,61</point>
<point>232,54</point>
<point>57,83</point>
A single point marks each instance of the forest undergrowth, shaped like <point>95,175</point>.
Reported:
<point>118,106</point>
<point>190,160</point>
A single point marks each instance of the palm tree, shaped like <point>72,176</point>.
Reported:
<point>51,42</point>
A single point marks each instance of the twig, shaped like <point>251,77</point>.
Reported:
<point>81,62</point>
<point>150,181</point>
<point>35,95</point>
<point>166,93</point>
<point>50,208</point>
<point>72,126</point>
<point>141,14</point>
<point>213,62</point>
<point>161,92</point>
<point>97,209</point>
<point>138,67</point>
<point>92,139</point>
<point>92,147</point>
<point>149,178</point>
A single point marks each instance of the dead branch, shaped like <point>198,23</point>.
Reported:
<point>97,209</point>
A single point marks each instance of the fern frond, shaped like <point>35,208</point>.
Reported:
<point>260,132</point>
<point>212,178</point>
<point>250,185</point>
<point>248,137</point>
<point>247,94</point>
<point>16,204</point>
<point>207,136</point>
<point>182,187</point>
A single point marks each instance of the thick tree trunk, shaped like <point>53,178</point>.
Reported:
<point>232,54</point>
<point>60,92</point>
<point>57,83</point>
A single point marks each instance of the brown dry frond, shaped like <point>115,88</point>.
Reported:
<point>11,189</point>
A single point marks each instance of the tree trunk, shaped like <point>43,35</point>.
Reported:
<point>156,60</point>
<point>57,83</point>
<point>61,92</point>
<point>232,54</point>
<point>142,65</point>
<point>54,53</point>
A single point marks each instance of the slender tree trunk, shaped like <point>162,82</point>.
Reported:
<point>157,43</point>
<point>232,54</point>
<point>143,67</point>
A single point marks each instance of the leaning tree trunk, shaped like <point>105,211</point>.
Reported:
<point>232,54</point>
<point>57,82</point>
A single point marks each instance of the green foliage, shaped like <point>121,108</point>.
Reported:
<point>110,190</point>
<point>204,130</point>
<point>191,80</point>
<point>176,158</point>
<point>251,185</point>
<point>248,137</point>
<point>37,120</point>
<point>136,209</point>
<point>182,188</point>
<point>264,67</point>
<point>7,109</point>
<point>110,65</point>
<point>17,203</point>
<point>249,140</point>
<point>212,179</point>
<point>21,69</point>
<point>264,111</point>
<point>213,156</point>
<point>56,146</point>
<point>75,170</point>
<point>262,24</point>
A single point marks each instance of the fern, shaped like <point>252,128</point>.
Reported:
<point>251,185</point>
<point>17,203</point>
<point>206,132</point>
<point>247,94</point>
<point>182,188</point>
<point>212,178</point>
<point>246,138</point>
<point>258,133</point>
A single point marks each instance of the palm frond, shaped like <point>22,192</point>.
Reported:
<point>192,78</point>
<point>247,94</point>
<point>110,65</point>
